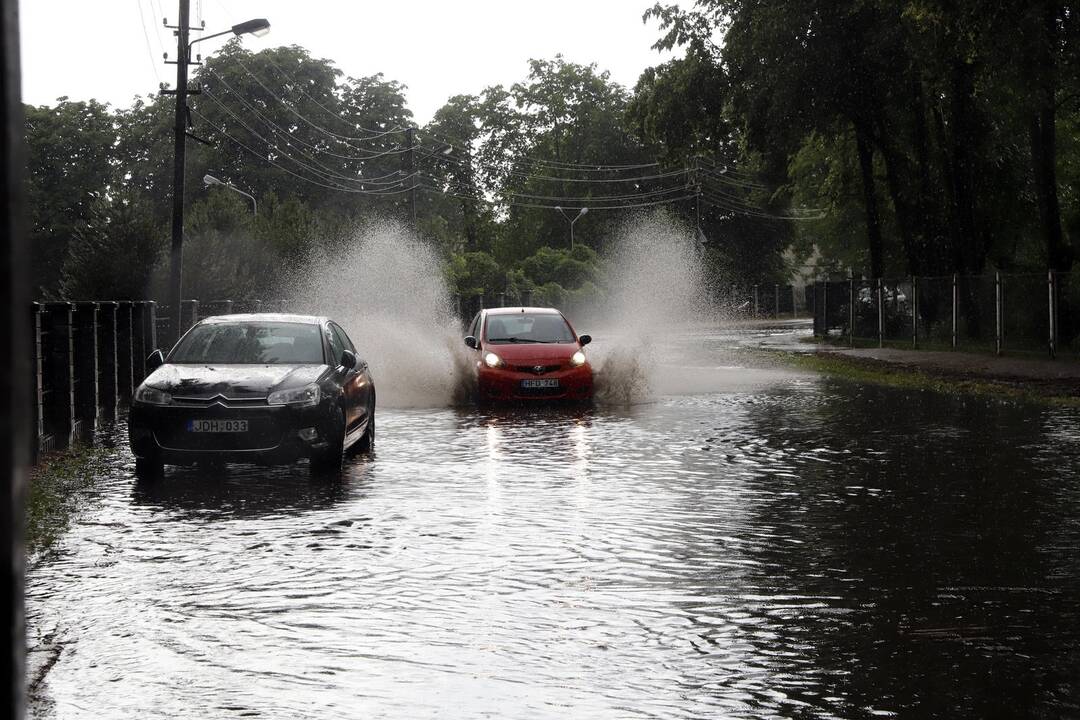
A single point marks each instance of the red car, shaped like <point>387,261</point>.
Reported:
<point>526,353</point>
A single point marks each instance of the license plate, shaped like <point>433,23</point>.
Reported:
<point>541,383</point>
<point>217,426</point>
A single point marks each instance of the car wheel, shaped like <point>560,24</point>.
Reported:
<point>148,469</point>
<point>329,460</point>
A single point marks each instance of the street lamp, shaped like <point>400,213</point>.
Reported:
<point>581,212</point>
<point>209,180</point>
<point>259,26</point>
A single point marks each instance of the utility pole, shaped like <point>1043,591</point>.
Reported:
<point>409,169</point>
<point>179,160</point>
<point>15,354</point>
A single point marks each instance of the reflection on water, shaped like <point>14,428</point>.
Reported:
<point>799,548</point>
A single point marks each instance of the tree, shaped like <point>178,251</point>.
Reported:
<point>71,167</point>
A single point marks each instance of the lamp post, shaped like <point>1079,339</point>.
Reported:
<point>209,180</point>
<point>581,212</point>
<point>258,26</point>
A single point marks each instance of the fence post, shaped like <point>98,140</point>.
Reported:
<point>794,303</point>
<point>108,387</point>
<point>256,306</point>
<point>501,299</point>
<point>914,311</point>
<point>60,373</point>
<point>851,311</point>
<point>776,302</point>
<point>526,298</point>
<point>755,301</point>
<point>86,365</point>
<point>880,315</point>
<point>151,327</point>
<point>955,302</point>
<point>825,308</point>
<point>1052,305</point>
<point>480,301</point>
<point>125,372</point>
<point>138,342</point>
<point>228,307</point>
<point>194,304</point>
<point>998,340</point>
<point>40,441</point>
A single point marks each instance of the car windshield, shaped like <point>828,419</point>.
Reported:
<point>528,328</point>
<point>254,343</point>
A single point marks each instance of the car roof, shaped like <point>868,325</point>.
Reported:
<point>267,317</point>
<point>519,310</point>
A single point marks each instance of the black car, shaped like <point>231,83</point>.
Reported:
<point>254,388</point>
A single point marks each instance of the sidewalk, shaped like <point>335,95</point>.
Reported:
<point>1060,376</point>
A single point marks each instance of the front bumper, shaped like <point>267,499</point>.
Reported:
<point>273,436</point>
<point>504,385</point>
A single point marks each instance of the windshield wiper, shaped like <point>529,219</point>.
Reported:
<point>517,340</point>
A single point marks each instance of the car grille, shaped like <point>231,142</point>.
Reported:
<point>196,402</point>
<point>533,368</point>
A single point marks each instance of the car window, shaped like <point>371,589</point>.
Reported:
<point>255,343</point>
<point>336,346</point>
<point>343,337</point>
<point>528,328</point>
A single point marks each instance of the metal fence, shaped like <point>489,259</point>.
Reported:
<point>1015,313</point>
<point>88,357</point>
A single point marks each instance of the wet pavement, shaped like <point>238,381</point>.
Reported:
<point>751,544</point>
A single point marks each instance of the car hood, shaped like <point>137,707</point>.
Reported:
<point>533,353</point>
<point>232,381</point>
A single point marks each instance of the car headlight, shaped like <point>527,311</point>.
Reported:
<point>301,396</point>
<point>152,396</point>
<point>492,360</point>
<point>577,358</point>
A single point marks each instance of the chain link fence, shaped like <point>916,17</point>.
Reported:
<point>1031,313</point>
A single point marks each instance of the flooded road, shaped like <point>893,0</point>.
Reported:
<point>760,545</point>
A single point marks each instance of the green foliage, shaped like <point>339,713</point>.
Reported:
<point>114,254</point>
<point>71,168</point>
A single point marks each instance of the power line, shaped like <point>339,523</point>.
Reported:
<point>344,139</point>
<point>290,172</point>
<point>287,133</point>
<point>554,178</point>
<point>728,205</point>
<point>554,207</point>
<point>320,171</point>
<point>374,133</point>
<point>146,36</point>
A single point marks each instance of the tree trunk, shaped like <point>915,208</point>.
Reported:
<point>972,254</point>
<point>1043,135</point>
<point>873,221</point>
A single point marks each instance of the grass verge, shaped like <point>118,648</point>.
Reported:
<point>58,486</point>
<point>868,370</point>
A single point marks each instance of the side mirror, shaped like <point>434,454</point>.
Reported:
<point>584,339</point>
<point>348,359</point>
<point>471,342</point>
<point>156,360</point>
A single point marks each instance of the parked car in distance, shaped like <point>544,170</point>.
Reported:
<point>528,354</point>
<point>261,388</point>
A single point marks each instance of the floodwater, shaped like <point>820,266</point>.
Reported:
<point>746,543</point>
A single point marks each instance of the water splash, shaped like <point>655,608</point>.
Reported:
<point>387,289</point>
<point>657,290</point>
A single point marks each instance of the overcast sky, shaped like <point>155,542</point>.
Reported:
<point>438,48</point>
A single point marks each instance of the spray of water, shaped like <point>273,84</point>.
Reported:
<point>657,291</point>
<point>387,289</point>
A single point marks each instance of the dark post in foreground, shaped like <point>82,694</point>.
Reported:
<point>14,368</point>
<point>176,277</point>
